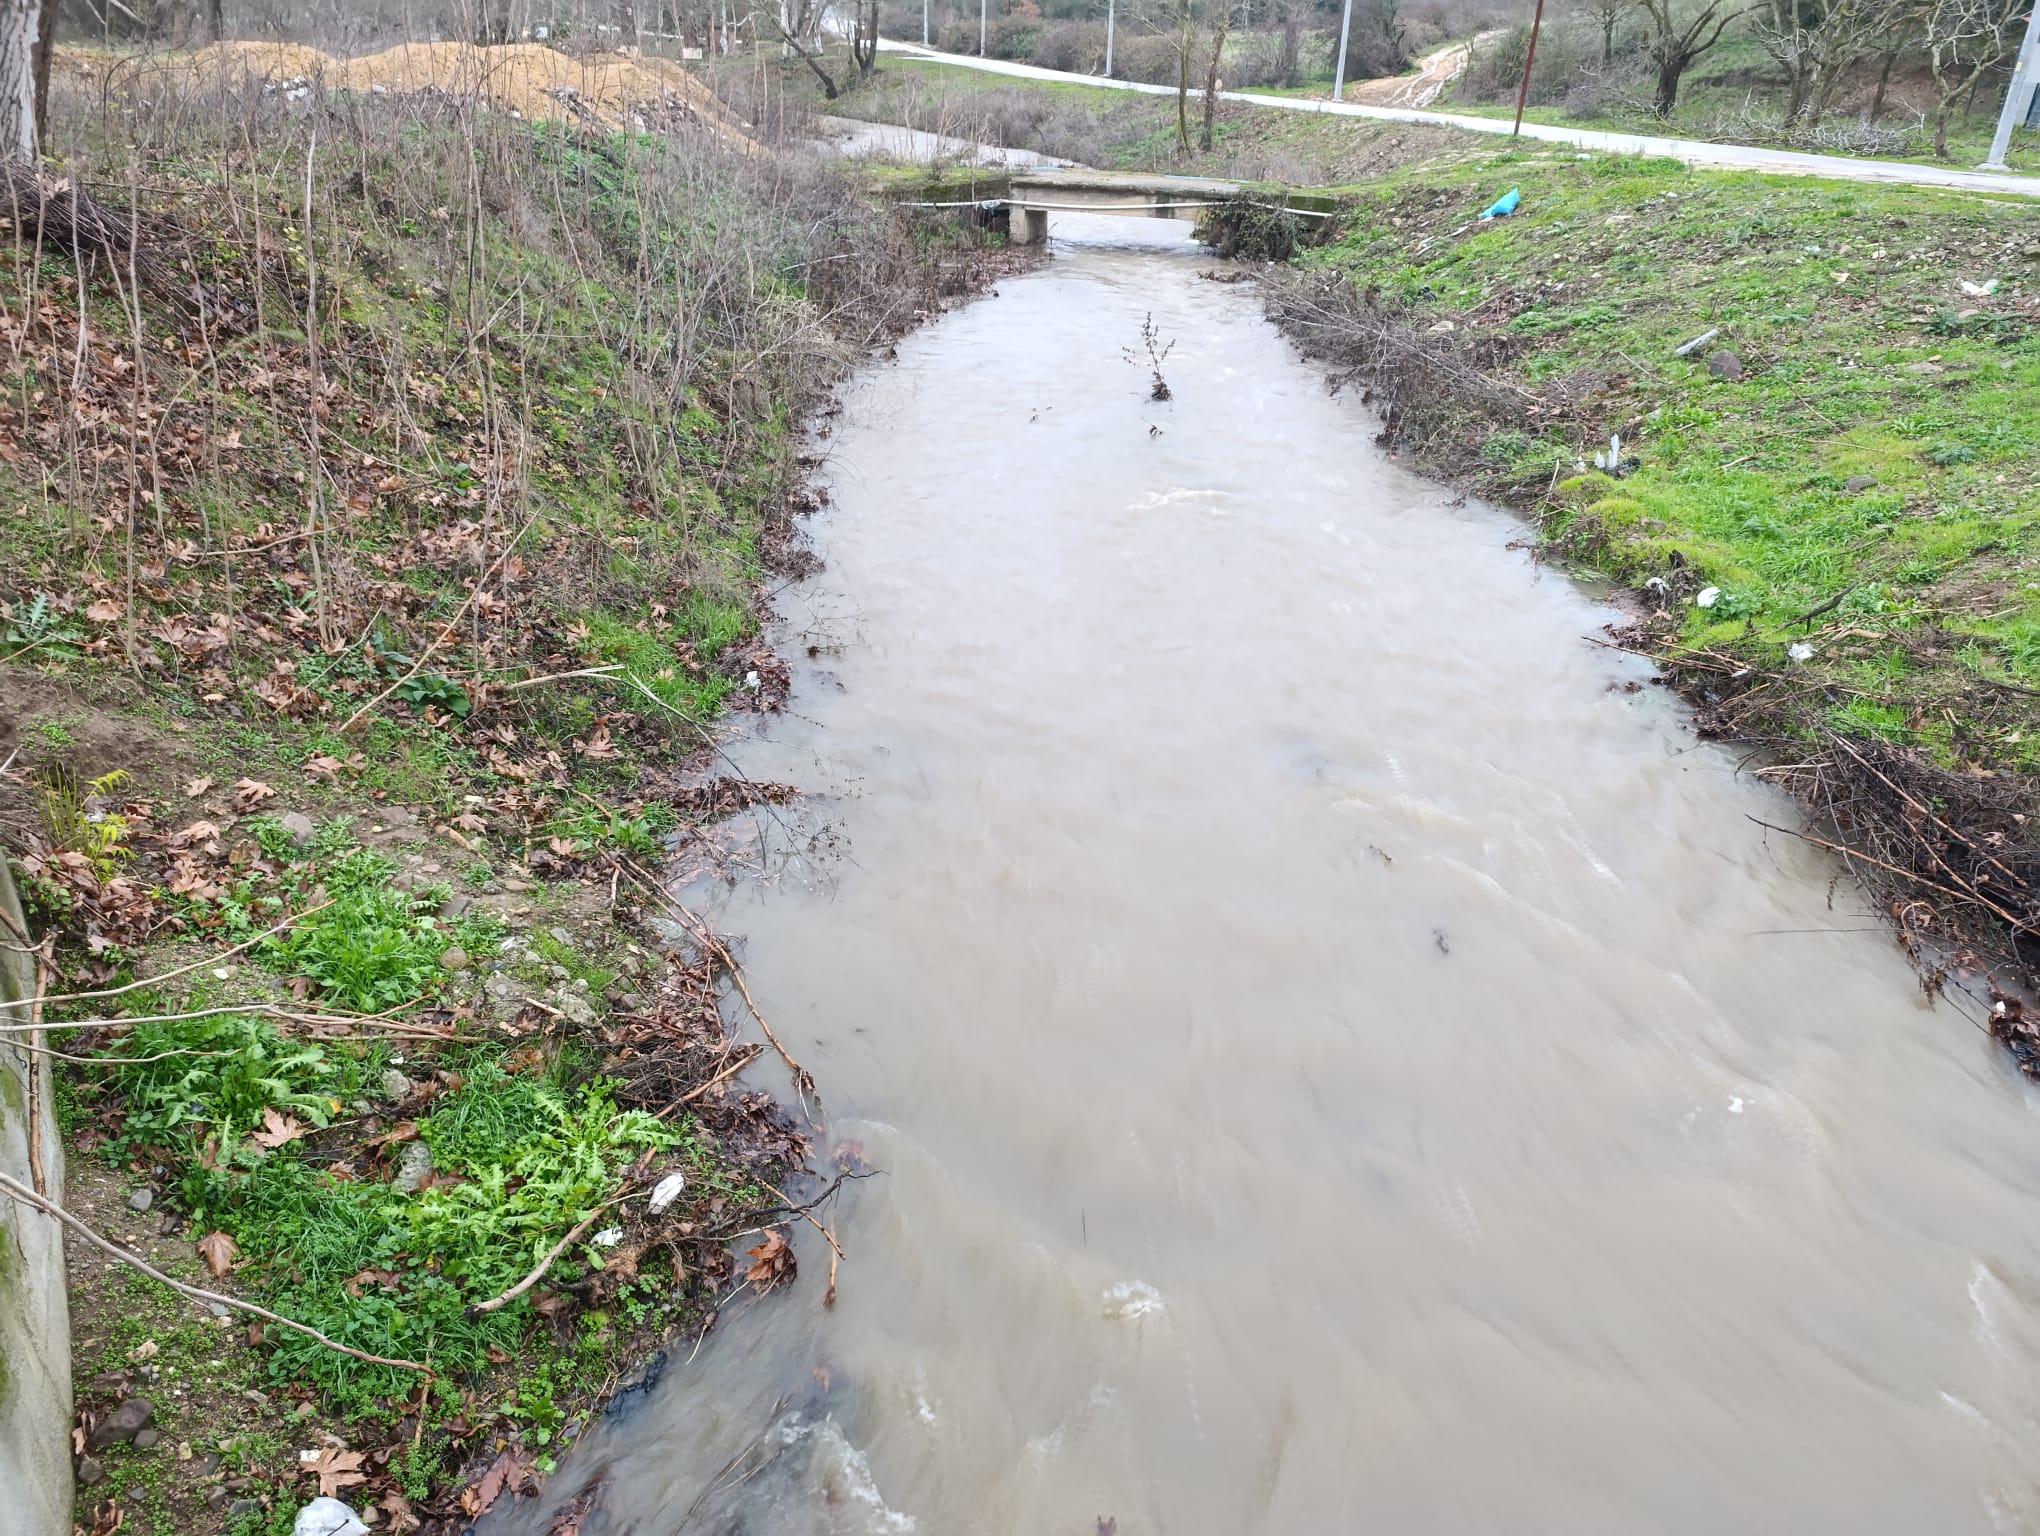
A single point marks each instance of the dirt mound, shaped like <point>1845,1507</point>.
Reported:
<point>611,91</point>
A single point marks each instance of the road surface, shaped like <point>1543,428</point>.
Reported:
<point>1740,157</point>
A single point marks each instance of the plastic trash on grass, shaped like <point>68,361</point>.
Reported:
<point>328,1517</point>
<point>1504,205</point>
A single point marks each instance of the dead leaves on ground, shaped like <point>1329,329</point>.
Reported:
<point>219,1252</point>
<point>334,1469</point>
<point>512,1470</point>
<point>277,1130</point>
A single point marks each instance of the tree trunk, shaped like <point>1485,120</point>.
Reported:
<point>1185,36</point>
<point>1607,38</point>
<point>1670,72</point>
<point>1292,49</point>
<point>1220,27</point>
<point>1943,110</point>
<point>20,24</point>
<point>216,19</point>
<point>1883,79</point>
<point>45,56</point>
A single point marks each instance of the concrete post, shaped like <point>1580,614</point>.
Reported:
<point>35,1314</point>
<point>1029,226</point>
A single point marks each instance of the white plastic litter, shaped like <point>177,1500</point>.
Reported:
<point>328,1517</point>
<point>666,1191</point>
<point>1799,650</point>
<point>1979,290</point>
<point>1708,597</point>
<point>609,1237</point>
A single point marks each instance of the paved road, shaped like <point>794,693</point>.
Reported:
<point>1742,157</point>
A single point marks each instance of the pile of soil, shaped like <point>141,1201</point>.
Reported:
<point>611,91</point>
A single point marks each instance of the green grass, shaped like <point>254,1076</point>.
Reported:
<point>1844,305</point>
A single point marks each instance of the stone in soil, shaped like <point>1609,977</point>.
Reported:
<point>141,1199</point>
<point>147,1439</point>
<point>299,826</point>
<point>395,1085</point>
<point>455,959</point>
<point>1725,365</point>
<point>121,1425</point>
<point>90,1470</point>
<point>412,1168</point>
<point>1857,484</point>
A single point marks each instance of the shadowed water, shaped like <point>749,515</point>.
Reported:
<point>1340,1061</point>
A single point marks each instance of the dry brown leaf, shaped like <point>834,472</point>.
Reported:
<point>277,1129</point>
<point>197,787</point>
<point>770,1260</point>
<point>218,1251</point>
<point>105,611</point>
<point>249,793</point>
<point>335,1470</point>
<point>398,1508</point>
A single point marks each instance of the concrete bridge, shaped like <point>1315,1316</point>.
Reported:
<point>1032,195</point>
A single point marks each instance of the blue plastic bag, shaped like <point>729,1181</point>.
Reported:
<point>1504,205</point>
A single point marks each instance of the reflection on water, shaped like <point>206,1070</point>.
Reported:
<point>1341,1060</point>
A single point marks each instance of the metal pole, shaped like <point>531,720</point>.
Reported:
<point>1522,96</point>
<point>984,10</point>
<point>2017,94</point>
<point>1339,75</point>
<point>1111,15</point>
<point>924,23</point>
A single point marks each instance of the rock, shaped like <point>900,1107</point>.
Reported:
<point>304,1410</point>
<point>395,1085</point>
<point>412,1168</point>
<point>147,1439</point>
<point>1725,365</point>
<point>2031,253</point>
<point>455,959</point>
<point>90,1470</point>
<point>575,1008</point>
<point>299,826</point>
<point>141,1200</point>
<point>1924,367</point>
<point>136,1493</point>
<point>240,1509</point>
<point>170,1225</point>
<point>255,1397</point>
<point>121,1425</point>
<point>215,1498</point>
<point>205,1466</point>
<point>1857,484</point>
<point>454,906</point>
<point>561,937</point>
<point>517,885</point>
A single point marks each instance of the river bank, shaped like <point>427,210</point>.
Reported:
<point>391,523</point>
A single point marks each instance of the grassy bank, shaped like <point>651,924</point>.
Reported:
<point>391,490</point>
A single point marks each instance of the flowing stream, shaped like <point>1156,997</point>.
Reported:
<point>1341,1056</point>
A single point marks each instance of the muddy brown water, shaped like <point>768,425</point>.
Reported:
<point>1340,1062</point>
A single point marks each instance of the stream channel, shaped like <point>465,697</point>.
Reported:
<point>1342,1058</point>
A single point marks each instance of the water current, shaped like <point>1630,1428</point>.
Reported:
<point>1342,1057</point>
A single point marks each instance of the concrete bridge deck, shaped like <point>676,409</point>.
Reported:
<point>1035,193</point>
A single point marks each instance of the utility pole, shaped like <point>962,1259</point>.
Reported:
<point>1339,75</point>
<point>984,10</point>
<point>2018,94</point>
<point>924,24</point>
<point>1111,15</point>
<point>1523,95</point>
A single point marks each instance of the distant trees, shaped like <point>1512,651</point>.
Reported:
<point>1965,39</point>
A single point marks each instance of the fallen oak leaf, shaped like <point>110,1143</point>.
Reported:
<point>219,1252</point>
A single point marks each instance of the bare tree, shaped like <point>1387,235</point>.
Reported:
<point>864,38</point>
<point>1606,15</point>
<point>1680,34</point>
<point>1221,24</point>
<point>1790,31</point>
<point>1964,39</point>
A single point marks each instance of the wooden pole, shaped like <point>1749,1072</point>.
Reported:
<point>1523,95</point>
